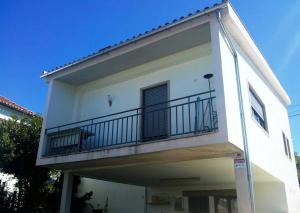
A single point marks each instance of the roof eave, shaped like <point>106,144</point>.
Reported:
<point>263,64</point>
<point>139,38</point>
<point>29,113</point>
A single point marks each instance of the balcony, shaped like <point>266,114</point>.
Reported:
<point>187,116</point>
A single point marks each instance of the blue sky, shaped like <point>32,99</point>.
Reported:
<point>39,35</point>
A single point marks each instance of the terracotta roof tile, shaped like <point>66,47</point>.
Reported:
<point>13,105</point>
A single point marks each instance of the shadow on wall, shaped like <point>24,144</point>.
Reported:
<point>103,197</point>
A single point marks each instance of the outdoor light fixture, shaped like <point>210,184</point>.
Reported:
<point>208,77</point>
<point>109,99</point>
<point>188,180</point>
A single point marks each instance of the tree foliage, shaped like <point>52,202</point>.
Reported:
<point>19,141</point>
<point>37,187</point>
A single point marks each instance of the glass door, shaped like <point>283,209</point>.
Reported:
<point>199,204</point>
<point>154,117</point>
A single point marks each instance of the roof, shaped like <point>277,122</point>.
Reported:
<point>236,27</point>
<point>129,40</point>
<point>13,105</point>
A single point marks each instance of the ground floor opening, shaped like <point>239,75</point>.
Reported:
<point>192,186</point>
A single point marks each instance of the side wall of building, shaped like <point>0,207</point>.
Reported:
<point>266,147</point>
<point>270,197</point>
<point>60,109</point>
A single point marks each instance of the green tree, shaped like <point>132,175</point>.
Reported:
<point>19,141</point>
<point>38,187</point>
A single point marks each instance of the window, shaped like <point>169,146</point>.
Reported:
<point>226,204</point>
<point>258,110</point>
<point>286,144</point>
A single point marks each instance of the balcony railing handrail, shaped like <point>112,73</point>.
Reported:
<point>189,115</point>
<point>132,110</point>
<point>152,111</point>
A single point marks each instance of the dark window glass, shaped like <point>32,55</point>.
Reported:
<point>287,148</point>
<point>154,112</point>
<point>284,144</point>
<point>226,205</point>
<point>198,204</point>
<point>258,110</point>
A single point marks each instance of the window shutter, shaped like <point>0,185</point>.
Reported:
<point>255,103</point>
<point>288,148</point>
<point>284,144</point>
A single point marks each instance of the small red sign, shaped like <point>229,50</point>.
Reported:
<point>239,163</point>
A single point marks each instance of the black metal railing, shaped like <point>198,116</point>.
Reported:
<point>190,115</point>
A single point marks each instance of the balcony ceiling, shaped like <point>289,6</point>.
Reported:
<point>152,51</point>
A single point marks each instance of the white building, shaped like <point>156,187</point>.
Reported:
<point>142,113</point>
<point>9,109</point>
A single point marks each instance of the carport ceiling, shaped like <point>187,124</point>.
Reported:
<point>215,171</point>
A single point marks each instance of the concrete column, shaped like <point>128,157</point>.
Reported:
<point>242,186</point>
<point>66,195</point>
<point>211,204</point>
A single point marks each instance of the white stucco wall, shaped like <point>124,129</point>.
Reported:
<point>121,197</point>
<point>61,104</point>
<point>183,70</point>
<point>231,94</point>
<point>266,147</point>
<point>270,197</point>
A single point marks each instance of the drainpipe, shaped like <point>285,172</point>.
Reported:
<point>242,114</point>
<point>146,200</point>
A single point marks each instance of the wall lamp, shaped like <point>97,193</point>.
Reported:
<point>109,100</point>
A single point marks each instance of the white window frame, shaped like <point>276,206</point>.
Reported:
<point>287,147</point>
<point>260,120</point>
